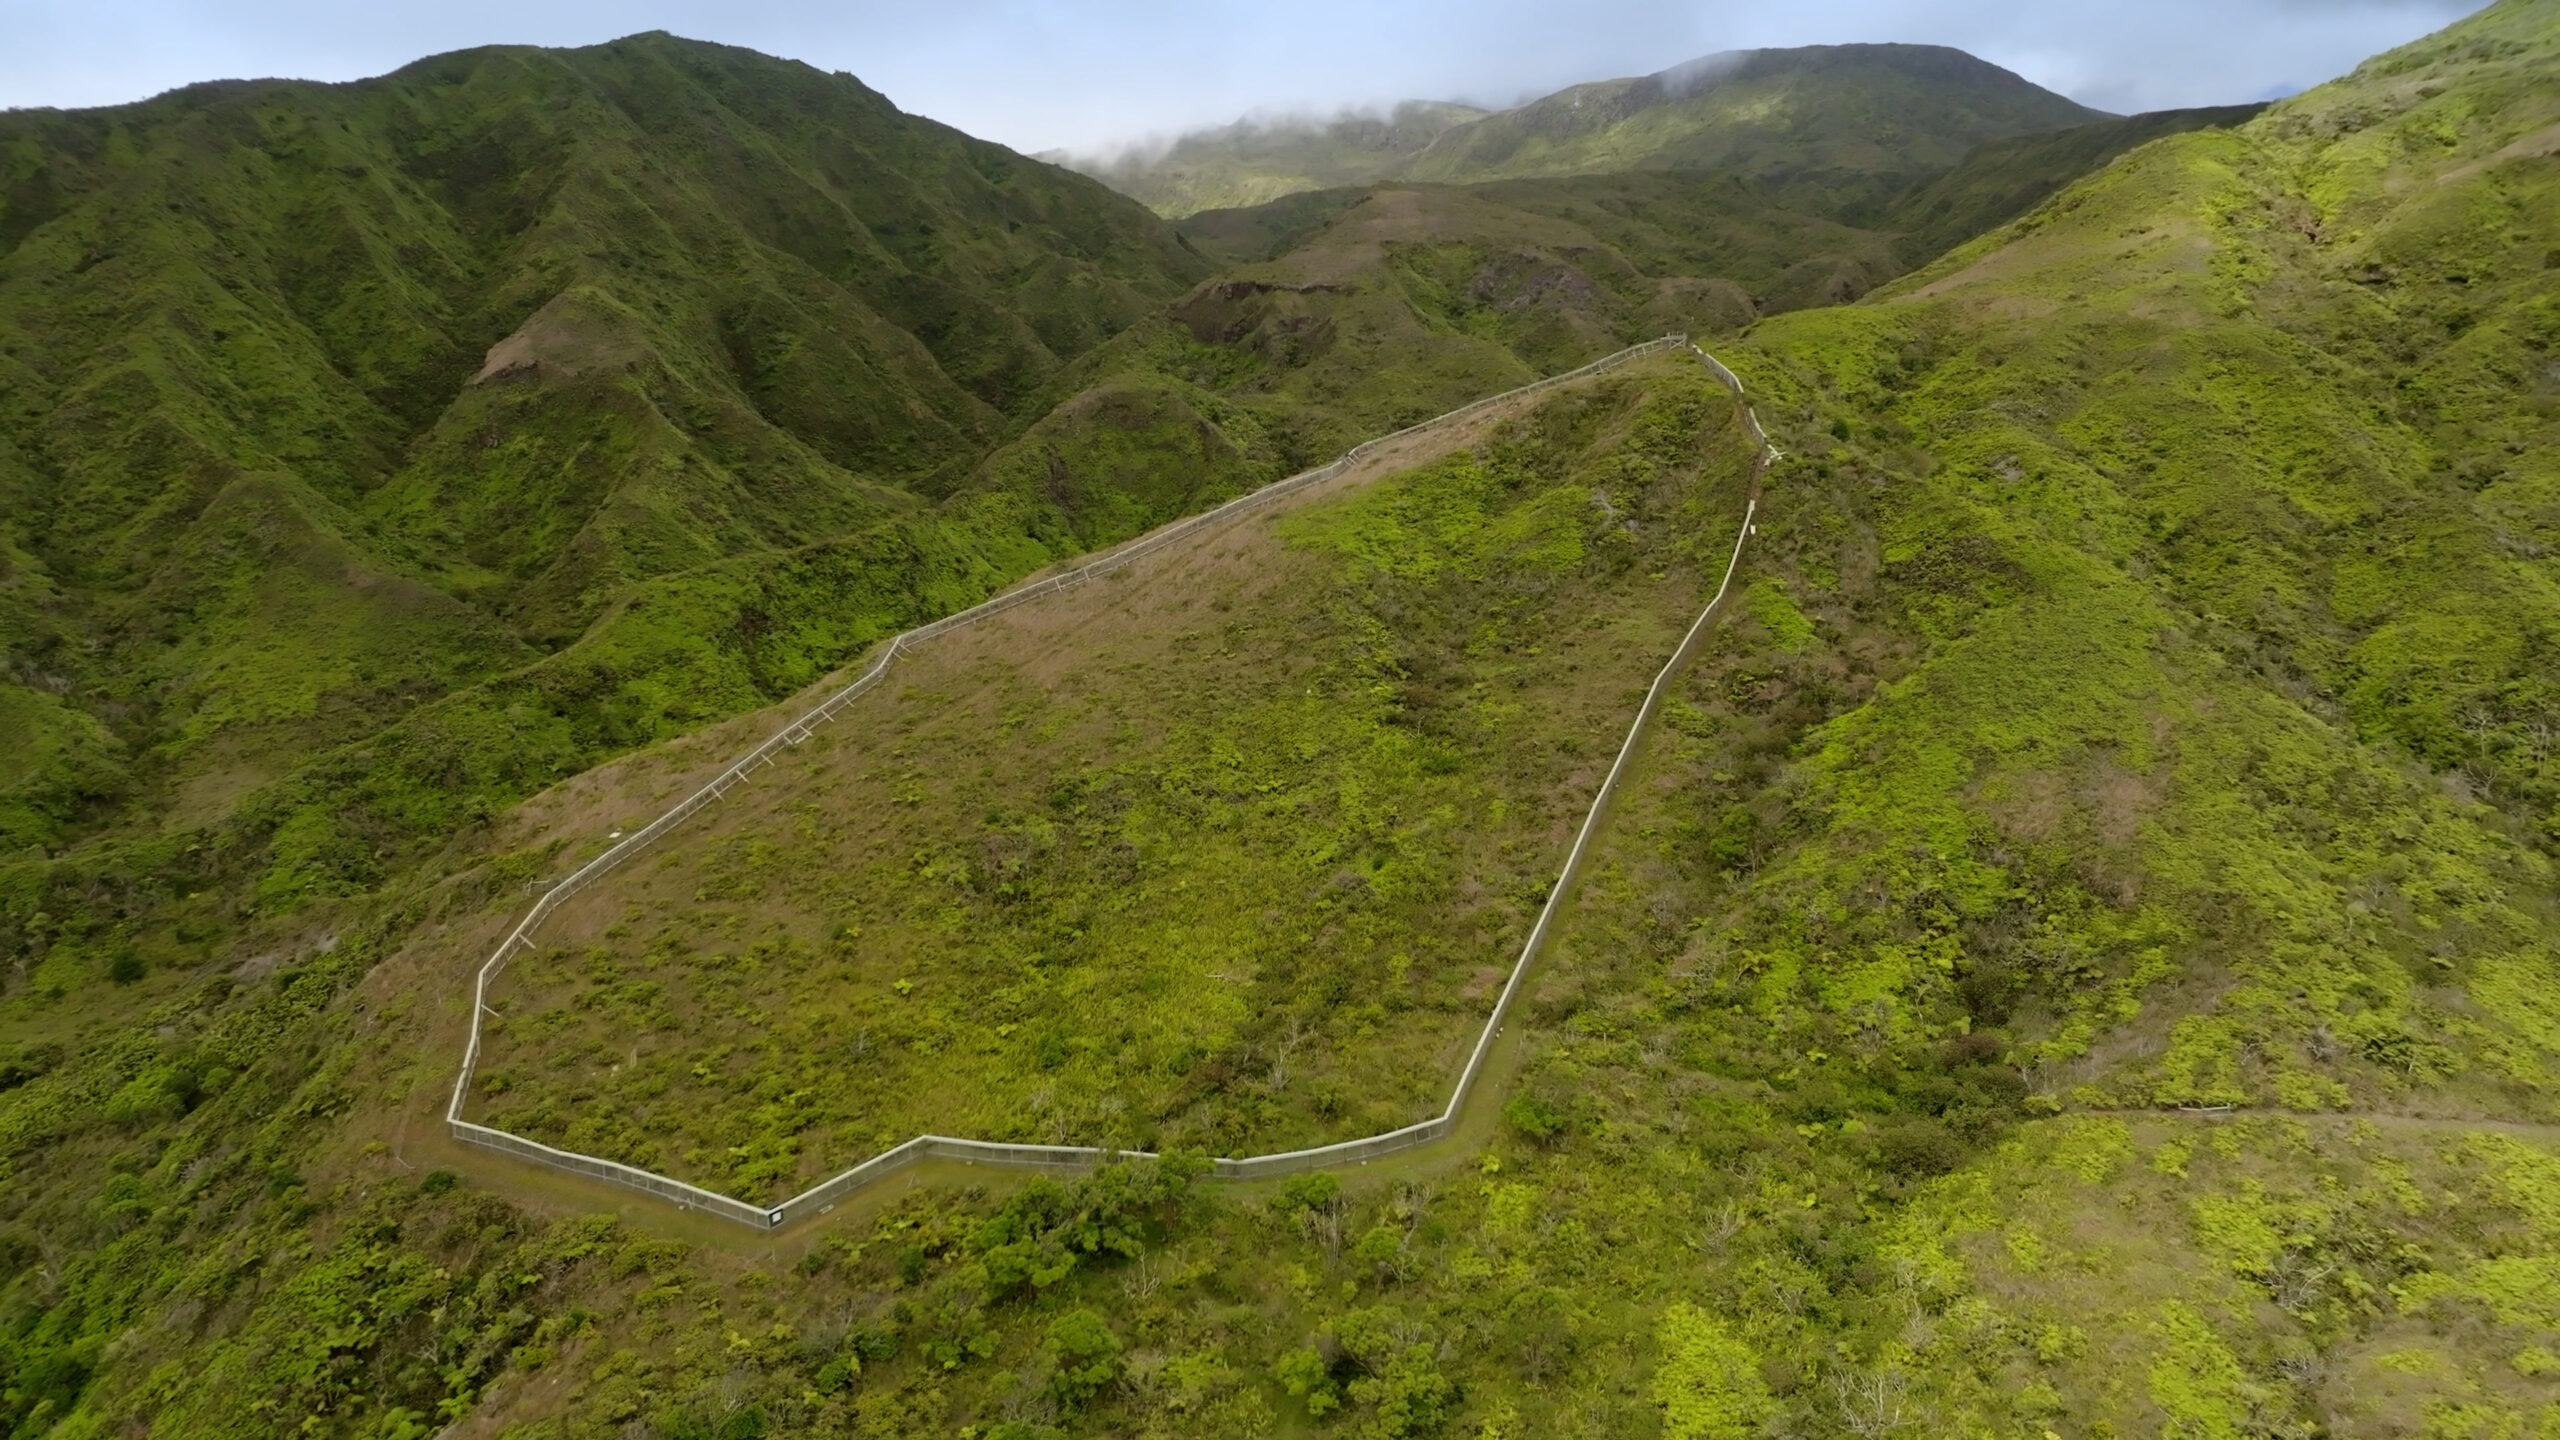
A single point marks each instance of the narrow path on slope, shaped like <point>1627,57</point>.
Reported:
<point>1471,1103</point>
<point>2386,1119</point>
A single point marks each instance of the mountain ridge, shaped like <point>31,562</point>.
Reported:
<point>1277,157</point>
<point>1875,112</point>
<point>261,310</point>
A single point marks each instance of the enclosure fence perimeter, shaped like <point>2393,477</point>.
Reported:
<point>825,1193</point>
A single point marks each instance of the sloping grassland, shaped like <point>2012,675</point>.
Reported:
<point>1228,853</point>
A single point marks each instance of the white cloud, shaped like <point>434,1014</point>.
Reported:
<point>1038,74</point>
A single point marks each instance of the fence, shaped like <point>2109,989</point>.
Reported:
<point>826,1192</point>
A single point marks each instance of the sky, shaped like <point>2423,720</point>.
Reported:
<point>1093,76</point>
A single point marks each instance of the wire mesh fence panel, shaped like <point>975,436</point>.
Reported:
<point>823,1195</point>
<point>629,1176</point>
<point>1347,1152</point>
<point>1731,381</point>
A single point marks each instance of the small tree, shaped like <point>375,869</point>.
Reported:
<point>1084,1356</point>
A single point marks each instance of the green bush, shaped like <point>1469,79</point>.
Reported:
<point>1535,1119</point>
<point>1083,1357</point>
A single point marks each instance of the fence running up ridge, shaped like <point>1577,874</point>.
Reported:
<point>825,1193</point>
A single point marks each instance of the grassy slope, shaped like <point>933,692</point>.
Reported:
<point>1223,856</point>
<point>2178,805</point>
<point>2140,707</point>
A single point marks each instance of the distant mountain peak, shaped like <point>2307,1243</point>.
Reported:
<point>1886,110</point>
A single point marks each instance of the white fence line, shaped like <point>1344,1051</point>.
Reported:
<point>1072,1157</point>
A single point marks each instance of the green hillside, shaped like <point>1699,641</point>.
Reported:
<point>2000,180</point>
<point>1250,162</point>
<point>1709,250</point>
<point>1823,127</point>
<point>455,430</point>
<point>2077,958</point>
<point>1820,116</point>
<point>332,408</point>
<point>1559,270</point>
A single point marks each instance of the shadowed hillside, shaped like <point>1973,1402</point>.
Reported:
<point>1558,270</point>
<point>2003,179</point>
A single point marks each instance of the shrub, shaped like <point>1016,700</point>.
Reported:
<point>1304,1374</point>
<point>1729,844</point>
<point>1311,1191</point>
<point>1045,1230</point>
<point>1535,1119</point>
<point>1708,1382</point>
<point>1083,1355</point>
<point>1918,1146</point>
<point>1400,1383</point>
<point>1383,1248</point>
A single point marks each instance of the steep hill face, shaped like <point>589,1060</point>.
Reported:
<point>325,402</point>
<point>2192,528</point>
<point>1825,126</point>
<point>2000,180</point>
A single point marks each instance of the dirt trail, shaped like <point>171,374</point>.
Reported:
<point>2385,1119</point>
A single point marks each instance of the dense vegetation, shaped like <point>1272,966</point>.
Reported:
<point>2003,179</point>
<point>1838,122</point>
<point>1549,265</point>
<point>376,454</point>
<point>2077,959</point>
